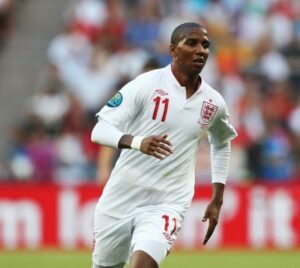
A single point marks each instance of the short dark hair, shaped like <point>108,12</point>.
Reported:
<point>180,31</point>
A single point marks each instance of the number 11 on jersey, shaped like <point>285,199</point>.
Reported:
<point>165,103</point>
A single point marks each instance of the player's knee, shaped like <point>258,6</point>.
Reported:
<point>141,259</point>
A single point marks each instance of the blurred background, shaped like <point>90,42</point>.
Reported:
<point>61,60</point>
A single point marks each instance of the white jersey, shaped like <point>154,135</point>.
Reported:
<point>153,104</point>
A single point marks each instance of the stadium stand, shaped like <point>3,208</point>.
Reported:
<point>254,61</point>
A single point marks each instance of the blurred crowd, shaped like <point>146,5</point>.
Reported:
<point>254,63</point>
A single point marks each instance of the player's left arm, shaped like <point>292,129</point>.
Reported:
<point>220,135</point>
<point>212,211</point>
<point>220,157</point>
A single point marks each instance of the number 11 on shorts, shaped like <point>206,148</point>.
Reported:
<point>167,223</point>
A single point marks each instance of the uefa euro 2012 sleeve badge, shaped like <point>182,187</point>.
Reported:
<point>115,101</point>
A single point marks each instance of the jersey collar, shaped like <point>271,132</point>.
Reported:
<point>174,81</point>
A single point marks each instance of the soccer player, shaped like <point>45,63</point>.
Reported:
<point>158,120</point>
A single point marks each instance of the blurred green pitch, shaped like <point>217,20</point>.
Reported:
<point>205,259</point>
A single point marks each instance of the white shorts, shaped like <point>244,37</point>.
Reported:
<point>152,229</point>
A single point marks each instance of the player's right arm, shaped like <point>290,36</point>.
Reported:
<point>107,134</point>
<point>121,110</point>
<point>157,145</point>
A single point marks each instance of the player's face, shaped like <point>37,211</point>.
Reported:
<point>192,50</point>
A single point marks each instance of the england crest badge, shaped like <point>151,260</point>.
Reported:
<point>207,113</point>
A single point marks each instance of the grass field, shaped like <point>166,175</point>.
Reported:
<point>212,259</point>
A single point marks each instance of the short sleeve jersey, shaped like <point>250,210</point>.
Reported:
<point>153,104</point>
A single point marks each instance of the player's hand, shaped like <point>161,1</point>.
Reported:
<point>157,146</point>
<point>212,215</point>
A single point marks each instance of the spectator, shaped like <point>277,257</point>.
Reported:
<point>51,103</point>
<point>277,163</point>
<point>88,17</point>
<point>33,154</point>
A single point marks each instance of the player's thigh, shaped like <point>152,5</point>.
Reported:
<point>155,232</point>
<point>147,254</point>
<point>112,238</point>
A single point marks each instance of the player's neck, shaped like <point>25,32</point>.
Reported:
<point>190,81</point>
<point>184,78</point>
<point>192,86</point>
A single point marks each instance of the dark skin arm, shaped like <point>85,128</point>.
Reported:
<point>105,160</point>
<point>212,211</point>
<point>157,145</point>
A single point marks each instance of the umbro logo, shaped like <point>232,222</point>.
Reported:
<point>161,92</point>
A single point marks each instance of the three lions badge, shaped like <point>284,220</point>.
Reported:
<point>207,113</point>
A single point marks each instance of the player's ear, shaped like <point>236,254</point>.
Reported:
<point>172,50</point>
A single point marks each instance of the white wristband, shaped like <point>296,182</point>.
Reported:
<point>136,143</point>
